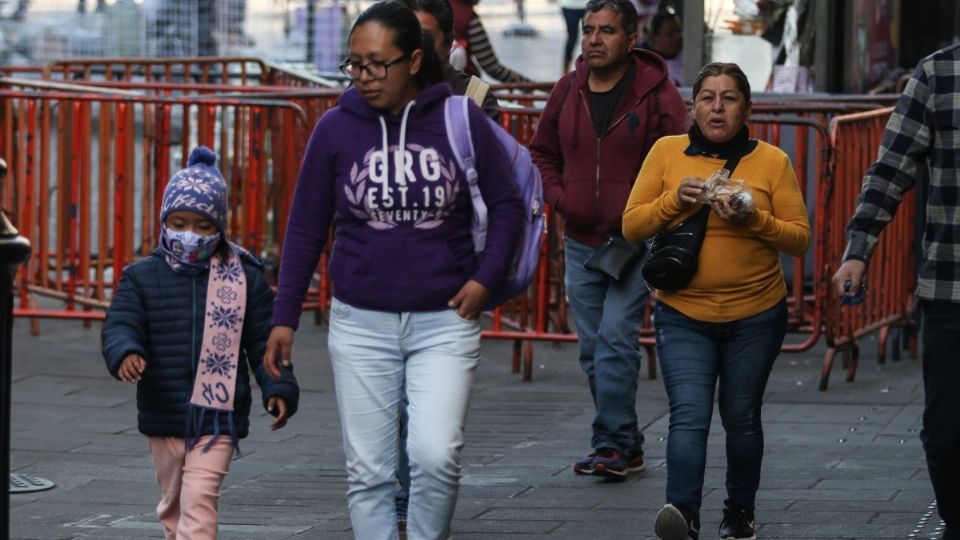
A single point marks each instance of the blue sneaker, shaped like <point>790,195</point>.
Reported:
<point>585,464</point>
<point>612,464</point>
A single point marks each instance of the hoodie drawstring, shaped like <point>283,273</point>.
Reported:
<point>399,169</point>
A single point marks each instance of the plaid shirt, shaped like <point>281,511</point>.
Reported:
<point>924,127</point>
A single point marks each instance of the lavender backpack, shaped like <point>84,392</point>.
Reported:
<point>527,252</point>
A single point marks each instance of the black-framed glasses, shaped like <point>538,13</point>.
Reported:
<point>376,70</point>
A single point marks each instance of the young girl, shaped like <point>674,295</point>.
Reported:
<point>408,287</point>
<point>187,324</point>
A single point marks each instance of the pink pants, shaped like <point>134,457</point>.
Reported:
<point>190,483</point>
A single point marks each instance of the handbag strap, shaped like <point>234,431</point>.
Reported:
<point>734,160</point>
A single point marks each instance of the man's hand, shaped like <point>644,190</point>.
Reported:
<point>278,406</point>
<point>469,300</point>
<point>849,277</point>
<point>279,345</point>
<point>132,368</point>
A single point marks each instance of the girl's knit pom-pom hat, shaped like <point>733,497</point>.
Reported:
<point>199,188</point>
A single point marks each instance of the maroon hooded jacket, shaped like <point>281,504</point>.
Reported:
<point>586,178</point>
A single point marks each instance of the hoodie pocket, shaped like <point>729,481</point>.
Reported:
<point>578,205</point>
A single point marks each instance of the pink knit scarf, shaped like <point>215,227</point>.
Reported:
<point>216,378</point>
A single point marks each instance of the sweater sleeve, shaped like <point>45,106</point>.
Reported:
<point>125,328</point>
<point>785,226</point>
<point>482,51</point>
<point>651,206</point>
<point>545,146</point>
<point>311,214</point>
<point>500,194</point>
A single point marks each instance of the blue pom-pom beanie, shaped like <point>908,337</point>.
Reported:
<point>199,188</point>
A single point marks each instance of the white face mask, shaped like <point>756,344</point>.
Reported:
<point>189,247</point>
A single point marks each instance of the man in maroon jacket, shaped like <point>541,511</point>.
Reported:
<point>597,127</point>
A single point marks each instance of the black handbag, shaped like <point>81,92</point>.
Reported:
<point>675,253</point>
<point>615,257</point>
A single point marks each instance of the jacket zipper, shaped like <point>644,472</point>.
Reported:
<point>194,361</point>
<point>586,106</point>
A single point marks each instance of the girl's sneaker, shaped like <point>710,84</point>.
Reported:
<point>676,524</point>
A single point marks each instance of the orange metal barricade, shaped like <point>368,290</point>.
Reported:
<point>202,70</point>
<point>542,315</point>
<point>88,171</point>
<point>94,145</point>
<point>889,302</point>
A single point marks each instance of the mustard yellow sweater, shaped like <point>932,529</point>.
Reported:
<point>740,273</point>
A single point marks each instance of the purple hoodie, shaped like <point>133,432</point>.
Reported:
<point>402,224</point>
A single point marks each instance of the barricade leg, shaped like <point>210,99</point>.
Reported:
<point>882,337</point>
<point>826,367</point>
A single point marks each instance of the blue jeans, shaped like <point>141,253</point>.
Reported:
<point>693,356</point>
<point>941,430</point>
<point>608,314</point>
<point>373,354</point>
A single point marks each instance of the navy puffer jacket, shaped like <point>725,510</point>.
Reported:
<point>159,314</point>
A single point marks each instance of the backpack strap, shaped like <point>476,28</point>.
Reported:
<point>456,115</point>
<point>477,90</point>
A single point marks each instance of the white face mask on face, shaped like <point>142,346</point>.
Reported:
<point>189,247</point>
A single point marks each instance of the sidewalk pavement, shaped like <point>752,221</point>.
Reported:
<point>841,464</point>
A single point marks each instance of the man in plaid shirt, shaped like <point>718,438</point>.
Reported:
<point>924,128</point>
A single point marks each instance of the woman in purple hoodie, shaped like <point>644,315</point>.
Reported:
<point>408,288</point>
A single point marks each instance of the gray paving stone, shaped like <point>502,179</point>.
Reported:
<point>75,425</point>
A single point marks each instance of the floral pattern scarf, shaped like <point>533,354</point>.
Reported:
<point>216,377</point>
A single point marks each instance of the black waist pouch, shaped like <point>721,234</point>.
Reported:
<point>615,257</point>
<point>674,256</point>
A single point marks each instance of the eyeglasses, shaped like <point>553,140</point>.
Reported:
<point>376,70</point>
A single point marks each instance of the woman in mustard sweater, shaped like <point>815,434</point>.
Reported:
<point>729,322</point>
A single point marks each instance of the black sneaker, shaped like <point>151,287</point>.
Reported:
<point>738,524</point>
<point>675,523</point>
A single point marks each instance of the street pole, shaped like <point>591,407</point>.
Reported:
<point>14,250</point>
<point>693,40</point>
<point>311,31</point>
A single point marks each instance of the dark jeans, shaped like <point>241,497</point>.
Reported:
<point>941,385</point>
<point>572,17</point>
<point>693,356</point>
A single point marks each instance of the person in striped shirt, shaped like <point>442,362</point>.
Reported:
<point>472,36</point>
<point>924,129</point>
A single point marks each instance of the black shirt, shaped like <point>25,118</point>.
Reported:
<point>603,105</point>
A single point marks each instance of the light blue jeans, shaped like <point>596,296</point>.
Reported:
<point>608,314</point>
<point>373,353</point>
